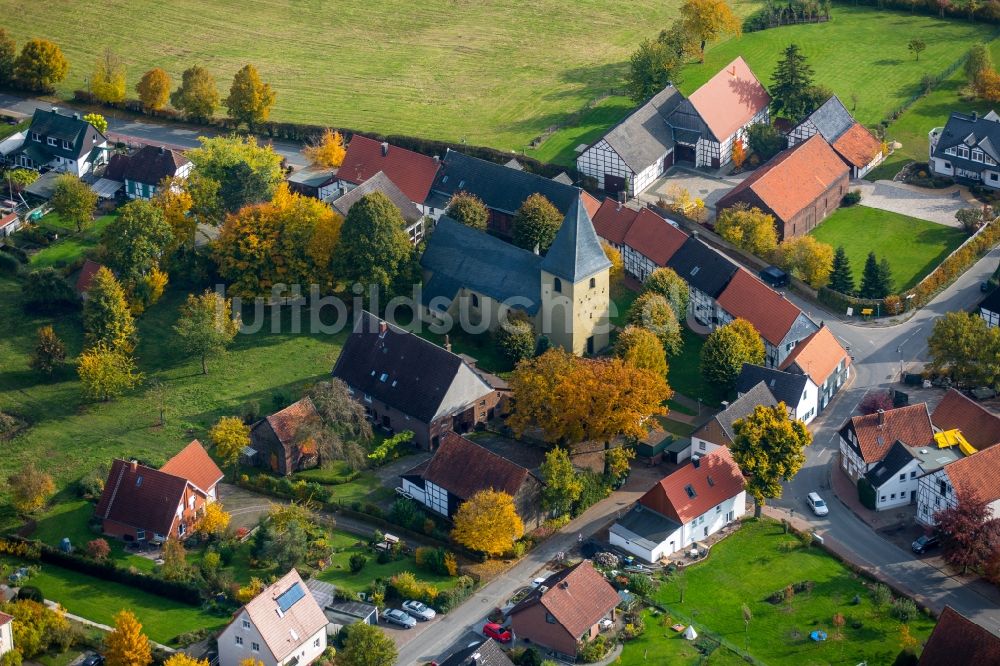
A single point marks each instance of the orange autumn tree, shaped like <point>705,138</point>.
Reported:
<point>739,154</point>
<point>328,151</point>
<point>574,399</point>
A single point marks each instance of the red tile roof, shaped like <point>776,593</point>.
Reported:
<point>793,179</point>
<point>194,464</point>
<point>817,356</point>
<point>86,276</point>
<point>654,237</point>
<point>141,496</point>
<point>979,426</point>
<point>714,480</point>
<point>590,203</point>
<point>412,172</point>
<point>857,145</point>
<point>977,475</point>
<point>463,468</point>
<point>284,632</point>
<point>7,219</point>
<point>730,99</point>
<point>287,422</point>
<point>958,640</point>
<point>770,313</point>
<point>612,221</point>
<point>577,597</point>
<point>4,618</point>
<point>911,425</point>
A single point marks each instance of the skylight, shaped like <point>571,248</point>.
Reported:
<point>690,491</point>
<point>138,481</point>
<point>711,481</point>
<point>695,270</point>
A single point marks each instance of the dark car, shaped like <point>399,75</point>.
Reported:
<point>925,543</point>
<point>774,276</point>
<point>92,660</point>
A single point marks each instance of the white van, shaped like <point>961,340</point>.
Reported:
<point>817,504</point>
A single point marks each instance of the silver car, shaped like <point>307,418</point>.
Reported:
<point>396,616</point>
<point>419,610</point>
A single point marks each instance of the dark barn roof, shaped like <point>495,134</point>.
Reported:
<point>702,267</point>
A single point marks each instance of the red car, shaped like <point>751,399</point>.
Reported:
<point>496,632</point>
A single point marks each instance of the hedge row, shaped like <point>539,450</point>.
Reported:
<point>300,132</point>
<point>988,12</point>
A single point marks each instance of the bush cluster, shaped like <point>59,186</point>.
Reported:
<point>437,560</point>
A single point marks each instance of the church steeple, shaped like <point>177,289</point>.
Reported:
<point>576,252</point>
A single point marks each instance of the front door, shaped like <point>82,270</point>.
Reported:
<point>614,184</point>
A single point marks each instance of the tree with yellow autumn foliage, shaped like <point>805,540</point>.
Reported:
<point>488,522</point>
<point>181,659</point>
<point>215,521</point>
<point>247,592</point>
<point>617,271</point>
<point>328,151</point>
<point>107,81</point>
<point>154,89</point>
<point>175,202</point>
<point>126,645</point>
<point>707,20</point>
<point>229,436</point>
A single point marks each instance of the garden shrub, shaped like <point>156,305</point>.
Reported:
<point>446,600</point>
<point>866,493</point>
<point>357,562</point>
<point>8,264</point>
<point>641,584</point>
<point>881,595</point>
<point>591,651</point>
<point>852,198</point>
<point>405,586</point>
<point>904,609</point>
<point>384,556</point>
<point>31,593</point>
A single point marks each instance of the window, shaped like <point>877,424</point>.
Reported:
<point>239,640</point>
<point>316,643</point>
<point>246,624</point>
<point>384,376</point>
<point>882,498</point>
<point>963,152</point>
<point>53,142</point>
<point>593,282</point>
<point>689,489</point>
<point>550,618</point>
<point>913,474</point>
<point>475,301</point>
<point>557,285</point>
<point>35,136</point>
<point>138,481</point>
<point>718,509</point>
<point>977,155</point>
<point>255,647</point>
<point>65,144</point>
<point>994,177</point>
<point>140,535</point>
<point>942,488</point>
<point>191,502</point>
<point>902,477</point>
<point>892,496</point>
<point>701,445</point>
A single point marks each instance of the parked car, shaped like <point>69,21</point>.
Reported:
<point>924,543</point>
<point>538,581</point>
<point>817,504</point>
<point>774,276</point>
<point>92,659</point>
<point>418,610</point>
<point>398,617</point>
<point>496,632</point>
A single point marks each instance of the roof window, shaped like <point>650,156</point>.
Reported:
<point>689,489</point>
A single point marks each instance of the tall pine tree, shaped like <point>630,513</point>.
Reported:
<point>870,278</point>
<point>791,85</point>
<point>841,277</point>
<point>884,278</point>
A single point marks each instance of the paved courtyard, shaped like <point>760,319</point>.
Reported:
<point>937,206</point>
<point>705,186</point>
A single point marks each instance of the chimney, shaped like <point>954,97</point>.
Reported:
<point>437,159</point>
<point>76,116</point>
<point>382,328</point>
<point>135,465</point>
<point>163,150</point>
<point>55,109</point>
<point>696,461</point>
<point>447,342</point>
<point>975,116</point>
<point>385,149</point>
<point>619,205</point>
<point>881,418</point>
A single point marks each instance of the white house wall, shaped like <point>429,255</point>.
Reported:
<point>898,491</point>
<point>602,159</point>
<point>850,461</point>
<point>802,132</point>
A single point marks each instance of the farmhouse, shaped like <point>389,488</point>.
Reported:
<point>690,504</point>
<point>719,431</point>
<point>460,468</point>
<point>866,440</point>
<point>412,215</point>
<point>860,150</point>
<point>477,278</point>
<point>143,171</point>
<point>407,383</point>
<point>140,503</point>
<point>797,391</point>
<point>707,272</point>
<point>822,358</point>
<point>646,240</point>
<point>277,443</point>
<point>978,426</point>
<point>989,309</point>
<point>958,640</point>
<point>799,186</point>
<point>975,477</point>
<point>967,149</point>
<point>412,172</point>
<point>63,143</point>
<point>281,625</point>
<point>565,609</point>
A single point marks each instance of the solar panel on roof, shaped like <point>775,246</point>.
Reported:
<point>288,598</point>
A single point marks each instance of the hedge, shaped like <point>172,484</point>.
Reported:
<point>866,494</point>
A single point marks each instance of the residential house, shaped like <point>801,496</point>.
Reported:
<point>61,142</point>
<point>780,322</point>
<point>800,187</point>
<point>281,626</point>
<point>413,218</point>
<point>686,506</point>
<point>478,278</point>
<point>796,390</point>
<point>958,640</point>
<point>718,431</point>
<point>412,172</point>
<point>9,223</point>
<point>6,633</point>
<point>707,272</point>
<point>10,145</point>
<point>501,188</point>
<point>645,240</point>
<point>488,653</point>
<point>979,426</point>
<point>407,383</point>
<point>860,150</point>
<point>989,309</point>
<point>967,149</point>
<point>461,468</point>
<point>314,181</point>
<point>637,151</point>
<point>340,613</point>
<point>145,170</point>
<point>565,609</point>
<point>140,503</point>
<point>86,277</point>
<point>279,442</point>
<point>975,477</point>
<point>865,440</point>
<point>894,478</point>
<point>820,356</point>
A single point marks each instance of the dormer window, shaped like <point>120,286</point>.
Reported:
<point>35,136</point>
<point>384,376</point>
<point>963,151</point>
<point>52,141</point>
<point>689,489</point>
<point>977,155</point>
<point>65,144</point>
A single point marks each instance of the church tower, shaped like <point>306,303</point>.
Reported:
<point>576,290</point>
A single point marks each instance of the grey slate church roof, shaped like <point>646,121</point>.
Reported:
<point>832,119</point>
<point>972,131</point>
<point>786,387</point>
<point>576,252</point>
<point>644,137</point>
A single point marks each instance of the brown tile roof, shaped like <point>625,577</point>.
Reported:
<point>793,179</point>
<point>613,220</point>
<point>979,426</point>
<point>287,422</point>
<point>590,203</point>
<point>463,468</point>
<point>141,496</point>
<point>304,617</point>
<point>977,475</point>
<point>958,640</point>
<point>730,99</point>
<point>715,479</point>
<point>817,356</point>
<point>654,237</point>
<point>577,597</point>
<point>86,276</point>
<point>911,425</point>
<point>194,464</point>
<point>412,172</point>
<point>857,145</point>
<point>770,313</point>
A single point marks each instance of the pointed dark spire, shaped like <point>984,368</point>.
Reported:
<point>576,252</point>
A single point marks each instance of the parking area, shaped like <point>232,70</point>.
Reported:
<point>705,186</point>
<point>938,206</point>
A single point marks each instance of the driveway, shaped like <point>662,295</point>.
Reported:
<point>937,206</point>
<point>707,187</point>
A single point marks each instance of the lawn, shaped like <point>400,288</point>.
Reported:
<point>6,130</point>
<point>584,129</point>
<point>70,519</point>
<point>670,647</point>
<point>882,78</point>
<point>339,572</point>
<point>71,244</point>
<point>99,600</point>
<point>746,568</point>
<point>489,73</point>
<point>684,373</point>
<point>913,247</point>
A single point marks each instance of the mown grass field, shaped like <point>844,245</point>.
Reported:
<point>913,247</point>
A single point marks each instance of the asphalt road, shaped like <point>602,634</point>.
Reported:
<point>170,134</point>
